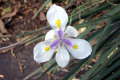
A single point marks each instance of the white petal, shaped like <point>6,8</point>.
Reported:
<point>54,13</point>
<point>40,55</point>
<point>71,31</point>
<point>83,51</point>
<point>50,35</point>
<point>62,57</point>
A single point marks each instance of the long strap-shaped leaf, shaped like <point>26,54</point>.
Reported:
<point>102,7</point>
<point>41,8</point>
<point>86,76</point>
<point>115,75</point>
<point>108,70</point>
<point>75,69</point>
<point>104,64</point>
<point>52,66</point>
<point>40,68</point>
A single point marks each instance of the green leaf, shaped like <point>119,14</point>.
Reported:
<point>42,7</point>
<point>75,69</point>
<point>115,75</point>
<point>106,62</point>
<point>86,76</point>
<point>52,66</point>
<point>109,70</point>
<point>46,65</point>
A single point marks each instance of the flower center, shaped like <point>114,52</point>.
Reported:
<point>58,22</point>
<point>60,39</point>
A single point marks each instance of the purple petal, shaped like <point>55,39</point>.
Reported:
<point>60,33</point>
<point>67,42</point>
<point>55,43</point>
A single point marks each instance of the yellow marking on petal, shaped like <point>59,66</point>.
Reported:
<point>56,50</point>
<point>58,22</point>
<point>75,46</point>
<point>47,48</point>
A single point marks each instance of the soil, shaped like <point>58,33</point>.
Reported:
<point>17,63</point>
<point>20,23</point>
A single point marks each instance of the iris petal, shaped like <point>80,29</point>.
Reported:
<point>82,51</point>
<point>57,13</point>
<point>50,35</point>
<point>71,31</point>
<point>40,54</point>
<point>62,57</point>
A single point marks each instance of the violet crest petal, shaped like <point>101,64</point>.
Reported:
<point>67,42</point>
<point>60,33</point>
<point>55,43</point>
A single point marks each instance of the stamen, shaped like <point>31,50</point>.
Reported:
<point>58,22</point>
<point>75,46</point>
<point>53,39</point>
<point>47,48</point>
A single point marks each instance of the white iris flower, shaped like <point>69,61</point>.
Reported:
<point>61,39</point>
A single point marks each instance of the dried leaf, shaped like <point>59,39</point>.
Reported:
<point>2,76</point>
<point>94,60</point>
<point>34,10</point>
<point>67,1</point>
<point>93,42</point>
<point>6,10</point>
<point>81,21</point>
<point>48,5</point>
<point>102,1</point>
<point>26,12</point>
<point>20,65</point>
<point>4,51</point>
<point>112,53</point>
<point>65,70</point>
<point>83,29</point>
<point>42,16</point>
<point>2,27</point>
<point>8,15</point>
<point>75,79</point>
<point>18,4</point>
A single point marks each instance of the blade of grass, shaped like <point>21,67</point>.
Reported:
<point>35,39</point>
<point>101,7</point>
<point>96,21</point>
<point>115,75</point>
<point>86,76</point>
<point>109,70</point>
<point>86,31</point>
<point>41,8</point>
<point>49,68</point>
<point>39,69</point>
<point>70,21</point>
<point>104,64</point>
<point>75,69</point>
